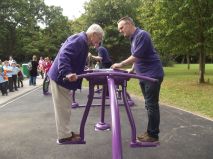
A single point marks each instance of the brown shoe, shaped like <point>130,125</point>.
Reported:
<point>75,138</point>
<point>147,138</point>
<point>142,136</point>
<point>75,135</point>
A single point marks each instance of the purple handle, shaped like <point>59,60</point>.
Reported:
<point>120,74</point>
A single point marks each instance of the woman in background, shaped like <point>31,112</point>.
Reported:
<point>33,71</point>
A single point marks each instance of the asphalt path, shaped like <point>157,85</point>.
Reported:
<point>27,131</point>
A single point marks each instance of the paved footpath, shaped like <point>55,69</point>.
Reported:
<point>27,130</point>
<point>22,90</point>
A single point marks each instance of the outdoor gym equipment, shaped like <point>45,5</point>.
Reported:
<point>111,78</point>
<point>99,90</point>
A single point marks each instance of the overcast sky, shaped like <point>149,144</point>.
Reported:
<point>71,8</point>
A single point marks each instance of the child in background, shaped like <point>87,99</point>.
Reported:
<point>14,75</point>
<point>8,75</point>
<point>47,65</point>
<point>41,64</point>
<point>3,82</point>
<point>20,76</point>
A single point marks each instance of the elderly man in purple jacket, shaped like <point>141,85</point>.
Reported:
<point>69,62</point>
<point>146,62</point>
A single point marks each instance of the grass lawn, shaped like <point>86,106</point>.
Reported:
<point>181,89</point>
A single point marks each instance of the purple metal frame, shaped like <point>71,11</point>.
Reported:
<point>99,91</point>
<point>111,78</point>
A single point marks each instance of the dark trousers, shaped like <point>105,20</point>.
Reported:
<point>151,91</point>
<point>10,84</point>
<point>42,74</point>
<point>20,81</point>
<point>32,80</point>
<point>14,77</point>
<point>3,88</point>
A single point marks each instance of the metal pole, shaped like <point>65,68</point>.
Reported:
<point>116,127</point>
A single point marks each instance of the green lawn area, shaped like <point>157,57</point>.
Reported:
<point>181,89</point>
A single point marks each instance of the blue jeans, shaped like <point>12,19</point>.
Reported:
<point>151,91</point>
<point>32,80</point>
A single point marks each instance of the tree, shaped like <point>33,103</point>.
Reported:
<point>107,13</point>
<point>56,31</point>
<point>181,27</point>
<point>18,15</point>
<point>30,27</point>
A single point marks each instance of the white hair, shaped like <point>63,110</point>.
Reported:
<point>95,28</point>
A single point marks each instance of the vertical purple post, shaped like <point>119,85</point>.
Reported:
<point>129,114</point>
<point>86,111</point>
<point>116,126</point>
<point>102,125</point>
<point>103,103</point>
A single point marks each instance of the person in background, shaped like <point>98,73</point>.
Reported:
<point>33,71</point>
<point>8,70</point>
<point>41,64</point>
<point>20,77</point>
<point>104,61</point>
<point>3,82</point>
<point>5,77</point>
<point>146,62</point>
<point>14,75</point>
<point>47,65</point>
<point>70,61</point>
<point>11,60</point>
<point>103,57</point>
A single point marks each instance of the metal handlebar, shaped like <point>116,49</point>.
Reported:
<point>114,74</point>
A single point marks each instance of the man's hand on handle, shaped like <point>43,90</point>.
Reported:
<point>116,65</point>
<point>72,77</point>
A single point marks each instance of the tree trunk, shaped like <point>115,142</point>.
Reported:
<point>201,67</point>
<point>183,59</point>
<point>202,56</point>
<point>188,61</point>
